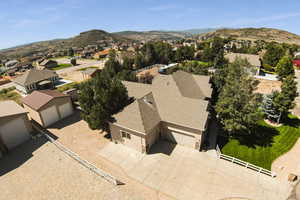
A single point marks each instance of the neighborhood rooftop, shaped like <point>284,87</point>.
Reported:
<point>252,59</point>
<point>9,108</point>
<point>167,101</point>
<point>37,99</point>
<point>33,76</point>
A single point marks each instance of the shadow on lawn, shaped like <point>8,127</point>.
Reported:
<point>261,136</point>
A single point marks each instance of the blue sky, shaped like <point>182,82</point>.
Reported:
<point>24,21</point>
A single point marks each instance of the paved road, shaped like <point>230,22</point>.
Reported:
<point>82,64</point>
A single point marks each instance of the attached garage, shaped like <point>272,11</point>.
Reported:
<point>48,106</point>
<point>15,126</point>
<point>49,116</point>
<point>180,137</point>
<point>65,110</point>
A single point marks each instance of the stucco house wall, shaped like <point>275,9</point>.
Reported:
<point>137,141</point>
<point>36,114</point>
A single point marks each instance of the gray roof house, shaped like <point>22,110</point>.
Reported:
<point>36,80</point>
<point>173,108</point>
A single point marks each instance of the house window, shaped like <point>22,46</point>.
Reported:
<point>125,135</point>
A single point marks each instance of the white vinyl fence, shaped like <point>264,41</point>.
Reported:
<point>76,157</point>
<point>243,163</point>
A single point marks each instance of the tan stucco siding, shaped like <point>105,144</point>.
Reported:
<point>24,116</point>
<point>137,140</point>
<point>34,114</point>
<point>152,137</point>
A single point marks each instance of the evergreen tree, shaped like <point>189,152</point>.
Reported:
<point>100,98</point>
<point>238,105</point>
<point>285,67</point>
<point>285,100</point>
<point>273,54</point>
<point>269,108</point>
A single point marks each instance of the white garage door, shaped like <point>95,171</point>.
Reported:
<point>50,116</point>
<point>180,138</point>
<point>14,133</point>
<point>65,110</point>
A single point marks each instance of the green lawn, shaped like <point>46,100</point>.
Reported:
<point>61,66</point>
<point>68,86</point>
<point>91,67</point>
<point>10,94</point>
<point>267,144</point>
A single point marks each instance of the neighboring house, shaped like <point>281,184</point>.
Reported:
<point>36,80</point>
<point>102,54</point>
<point>145,75</point>
<point>48,106</point>
<point>15,126</point>
<point>47,64</point>
<point>11,63</point>
<point>90,73</point>
<point>254,60</point>
<point>173,108</point>
<point>296,63</point>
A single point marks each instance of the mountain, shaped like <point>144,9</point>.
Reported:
<point>152,35</point>
<point>83,39</point>
<point>267,34</point>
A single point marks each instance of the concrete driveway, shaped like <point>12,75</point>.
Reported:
<point>188,174</point>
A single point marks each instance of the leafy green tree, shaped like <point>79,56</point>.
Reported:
<point>100,98</point>
<point>128,63</point>
<point>184,53</point>
<point>273,54</point>
<point>70,52</point>
<point>285,67</point>
<point>285,100</point>
<point>139,61</point>
<point>238,105</point>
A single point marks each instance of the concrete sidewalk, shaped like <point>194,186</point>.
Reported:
<point>188,174</point>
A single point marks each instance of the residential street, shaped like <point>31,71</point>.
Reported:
<point>82,63</point>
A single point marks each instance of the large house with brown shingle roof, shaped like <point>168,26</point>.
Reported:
<point>36,80</point>
<point>173,108</point>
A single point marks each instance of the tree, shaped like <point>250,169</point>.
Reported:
<point>70,52</point>
<point>271,111</point>
<point>138,61</point>
<point>285,100</point>
<point>238,105</point>
<point>100,98</point>
<point>273,54</point>
<point>73,61</point>
<point>285,67</point>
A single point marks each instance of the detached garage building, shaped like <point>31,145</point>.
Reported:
<point>48,106</point>
<point>15,127</point>
<point>173,108</point>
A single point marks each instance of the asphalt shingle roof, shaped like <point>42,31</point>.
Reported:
<point>9,108</point>
<point>33,76</point>
<point>168,102</point>
<point>38,99</point>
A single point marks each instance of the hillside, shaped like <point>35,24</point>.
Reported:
<point>153,35</point>
<point>267,34</point>
<point>83,39</point>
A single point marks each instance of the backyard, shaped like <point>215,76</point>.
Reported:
<point>61,66</point>
<point>265,145</point>
<point>10,94</point>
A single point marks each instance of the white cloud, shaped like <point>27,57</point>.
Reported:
<point>162,7</point>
